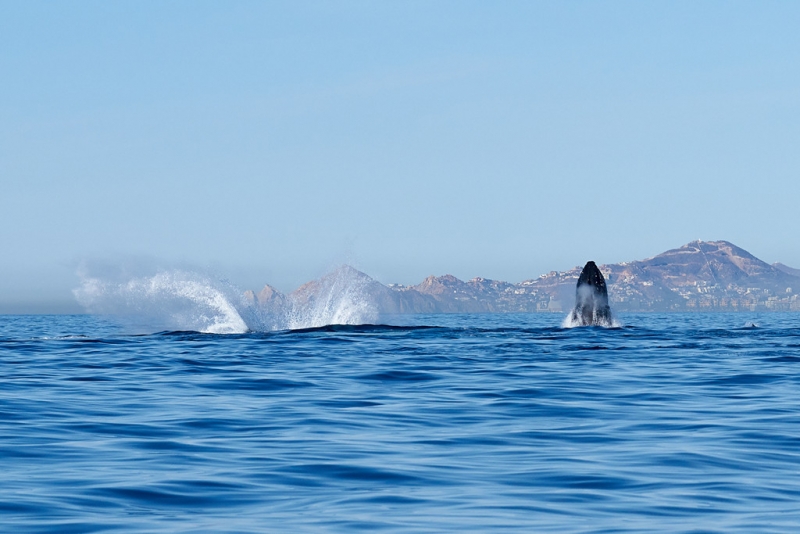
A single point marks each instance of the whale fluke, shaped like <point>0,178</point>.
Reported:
<point>591,299</point>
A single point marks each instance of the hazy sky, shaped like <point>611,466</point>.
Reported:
<point>271,141</point>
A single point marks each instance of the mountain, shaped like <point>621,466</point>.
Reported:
<point>786,269</point>
<point>702,275</point>
<point>699,276</point>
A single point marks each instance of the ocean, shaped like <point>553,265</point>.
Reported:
<point>430,423</point>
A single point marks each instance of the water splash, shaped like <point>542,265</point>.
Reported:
<point>572,321</point>
<point>186,300</point>
<point>341,297</point>
<point>169,300</point>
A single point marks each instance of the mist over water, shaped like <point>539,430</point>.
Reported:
<point>183,300</point>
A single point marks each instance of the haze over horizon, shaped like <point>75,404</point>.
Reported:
<point>269,142</point>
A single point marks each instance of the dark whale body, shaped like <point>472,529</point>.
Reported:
<point>591,299</point>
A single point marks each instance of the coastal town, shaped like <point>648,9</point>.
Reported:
<point>701,276</point>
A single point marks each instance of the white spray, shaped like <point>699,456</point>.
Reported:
<point>186,300</point>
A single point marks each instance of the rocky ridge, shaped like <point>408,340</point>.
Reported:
<point>699,276</point>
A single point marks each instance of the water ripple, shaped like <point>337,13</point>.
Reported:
<point>671,423</point>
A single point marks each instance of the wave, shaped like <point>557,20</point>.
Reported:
<point>181,300</point>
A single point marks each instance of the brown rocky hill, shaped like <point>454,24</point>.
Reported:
<point>702,275</point>
<point>699,276</point>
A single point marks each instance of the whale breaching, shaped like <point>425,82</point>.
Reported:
<point>591,299</point>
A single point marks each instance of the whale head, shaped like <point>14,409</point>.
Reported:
<point>591,298</point>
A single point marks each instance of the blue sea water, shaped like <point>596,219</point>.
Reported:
<point>476,423</point>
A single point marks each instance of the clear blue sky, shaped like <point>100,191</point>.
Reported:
<point>270,141</point>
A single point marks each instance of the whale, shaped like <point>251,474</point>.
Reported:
<point>591,299</point>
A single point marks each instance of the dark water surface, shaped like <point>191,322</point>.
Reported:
<point>485,423</point>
